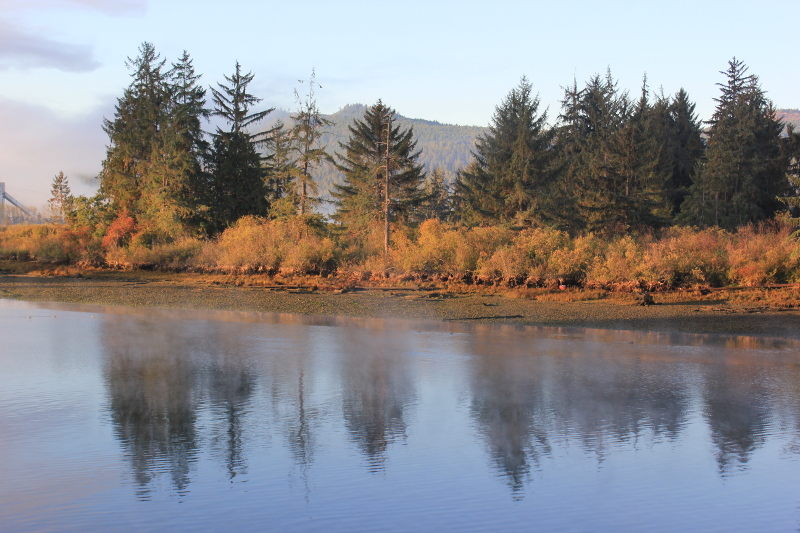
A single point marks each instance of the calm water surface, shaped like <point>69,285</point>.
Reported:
<point>116,419</point>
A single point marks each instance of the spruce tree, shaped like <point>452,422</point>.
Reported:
<point>616,158</point>
<point>133,134</point>
<point>511,170</point>
<point>152,170</point>
<point>640,159</point>
<point>362,200</point>
<point>588,146</point>
<point>437,202</point>
<point>238,177</point>
<point>309,126</point>
<point>743,173</point>
<point>283,171</point>
<point>191,146</point>
<point>61,199</point>
<point>685,148</point>
<point>791,155</point>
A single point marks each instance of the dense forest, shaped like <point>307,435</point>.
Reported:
<point>356,186</point>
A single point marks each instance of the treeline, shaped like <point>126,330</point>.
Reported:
<point>613,163</point>
<point>610,166</point>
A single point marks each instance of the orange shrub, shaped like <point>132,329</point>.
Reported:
<point>119,231</point>
<point>760,255</point>
<point>50,243</point>
<point>687,256</point>
<point>621,264</point>
<point>253,244</point>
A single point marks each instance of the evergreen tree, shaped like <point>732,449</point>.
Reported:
<point>238,176</point>
<point>309,125</point>
<point>588,144</point>
<point>791,154</point>
<point>190,144</point>
<point>615,158</point>
<point>153,165</point>
<point>284,171</point>
<point>742,175</point>
<point>437,197</point>
<point>372,167</point>
<point>640,159</point>
<point>61,199</point>
<point>510,174</point>
<point>684,148</point>
<point>139,116</point>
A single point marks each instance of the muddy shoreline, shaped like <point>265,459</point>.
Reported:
<point>711,314</point>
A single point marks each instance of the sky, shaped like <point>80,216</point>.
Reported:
<point>63,62</point>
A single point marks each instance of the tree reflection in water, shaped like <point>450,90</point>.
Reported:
<point>231,385</point>
<point>737,410</point>
<point>528,398</point>
<point>153,390</point>
<point>377,390</point>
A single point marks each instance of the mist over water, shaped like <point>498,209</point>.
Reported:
<point>120,419</point>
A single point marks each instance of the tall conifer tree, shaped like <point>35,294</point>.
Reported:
<point>743,173</point>
<point>153,165</point>
<point>309,125</point>
<point>511,171</point>
<point>139,116</point>
<point>361,199</point>
<point>587,145</point>
<point>238,181</point>
<point>685,148</point>
<point>188,113</point>
<point>791,154</point>
<point>61,199</point>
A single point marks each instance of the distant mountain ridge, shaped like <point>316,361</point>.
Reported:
<point>789,116</point>
<point>445,146</point>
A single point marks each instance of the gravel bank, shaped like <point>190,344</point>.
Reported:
<point>185,292</point>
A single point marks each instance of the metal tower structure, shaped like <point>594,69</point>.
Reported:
<point>4,196</point>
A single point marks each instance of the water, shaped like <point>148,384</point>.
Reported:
<point>115,419</point>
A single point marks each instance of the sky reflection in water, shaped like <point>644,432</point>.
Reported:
<point>122,419</point>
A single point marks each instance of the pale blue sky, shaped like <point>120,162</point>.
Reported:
<point>62,62</point>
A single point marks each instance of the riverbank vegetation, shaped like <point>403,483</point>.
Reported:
<point>619,193</point>
<point>436,251</point>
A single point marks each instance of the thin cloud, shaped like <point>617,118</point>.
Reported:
<point>35,144</point>
<point>112,7</point>
<point>23,50</point>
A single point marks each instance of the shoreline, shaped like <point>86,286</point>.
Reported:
<point>706,314</point>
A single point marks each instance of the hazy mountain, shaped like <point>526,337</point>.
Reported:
<point>790,116</point>
<point>444,146</point>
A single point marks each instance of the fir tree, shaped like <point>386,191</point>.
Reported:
<point>511,173</point>
<point>188,113</point>
<point>743,173</point>
<point>640,159</point>
<point>437,197</point>
<point>685,148</point>
<point>238,176</point>
<point>379,158</point>
<point>152,170</point>
<point>309,125</point>
<point>588,147</point>
<point>139,116</point>
<point>61,199</point>
<point>283,171</point>
<point>791,152</point>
